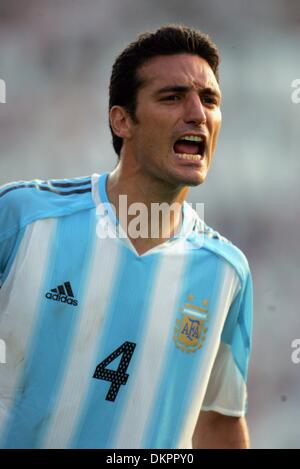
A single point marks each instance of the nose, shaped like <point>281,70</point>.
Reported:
<point>195,111</point>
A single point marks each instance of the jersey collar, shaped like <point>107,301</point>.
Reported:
<point>186,233</point>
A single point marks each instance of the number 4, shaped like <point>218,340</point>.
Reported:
<point>119,376</point>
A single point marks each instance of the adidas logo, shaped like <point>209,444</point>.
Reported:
<point>62,293</point>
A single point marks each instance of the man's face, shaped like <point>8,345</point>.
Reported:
<point>178,119</point>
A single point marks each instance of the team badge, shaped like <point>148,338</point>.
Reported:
<point>190,330</point>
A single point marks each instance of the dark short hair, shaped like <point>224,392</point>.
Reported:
<point>167,40</point>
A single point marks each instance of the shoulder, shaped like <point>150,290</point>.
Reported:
<point>218,245</point>
<point>23,202</point>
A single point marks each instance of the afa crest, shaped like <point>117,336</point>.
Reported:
<point>190,330</point>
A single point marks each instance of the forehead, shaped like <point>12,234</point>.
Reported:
<point>179,69</point>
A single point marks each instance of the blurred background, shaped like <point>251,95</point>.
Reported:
<point>56,58</point>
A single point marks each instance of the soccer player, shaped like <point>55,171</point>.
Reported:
<point>115,340</point>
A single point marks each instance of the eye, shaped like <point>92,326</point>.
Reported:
<point>172,97</point>
<point>210,100</point>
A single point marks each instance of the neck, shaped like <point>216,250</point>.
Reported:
<point>145,224</point>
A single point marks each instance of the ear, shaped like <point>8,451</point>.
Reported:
<point>120,121</point>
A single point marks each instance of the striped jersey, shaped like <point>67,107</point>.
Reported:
<point>106,348</point>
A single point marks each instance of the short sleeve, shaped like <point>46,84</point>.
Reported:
<point>10,233</point>
<point>227,392</point>
<point>8,251</point>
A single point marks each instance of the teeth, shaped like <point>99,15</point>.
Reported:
<point>192,138</point>
<point>186,156</point>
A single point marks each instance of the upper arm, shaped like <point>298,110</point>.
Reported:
<point>222,422</point>
<point>215,430</point>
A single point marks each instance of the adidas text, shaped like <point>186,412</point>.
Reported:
<point>61,298</point>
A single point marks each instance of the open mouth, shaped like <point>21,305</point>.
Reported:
<point>190,147</point>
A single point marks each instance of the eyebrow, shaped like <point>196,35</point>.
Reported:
<point>184,89</point>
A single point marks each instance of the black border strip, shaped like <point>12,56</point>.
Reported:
<point>236,458</point>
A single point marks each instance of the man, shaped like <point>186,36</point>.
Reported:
<point>116,340</point>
